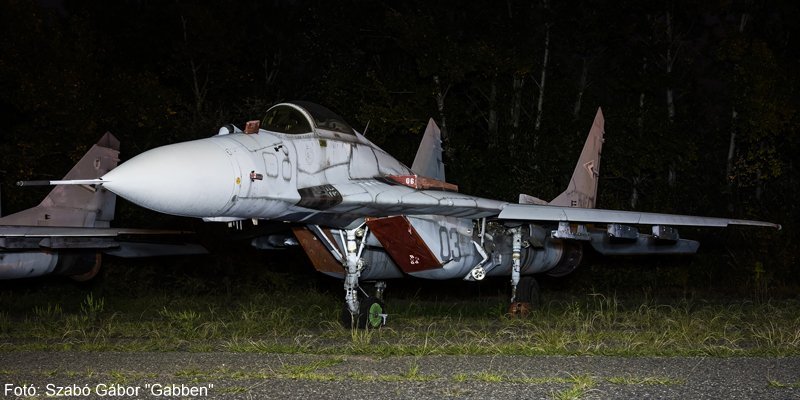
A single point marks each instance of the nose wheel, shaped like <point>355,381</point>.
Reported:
<point>371,314</point>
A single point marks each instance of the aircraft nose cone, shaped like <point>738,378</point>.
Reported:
<point>195,179</point>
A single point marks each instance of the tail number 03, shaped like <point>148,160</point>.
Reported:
<point>449,244</point>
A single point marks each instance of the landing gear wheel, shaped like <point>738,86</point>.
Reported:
<point>528,298</point>
<point>528,291</point>
<point>371,315</point>
<point>347,317</point>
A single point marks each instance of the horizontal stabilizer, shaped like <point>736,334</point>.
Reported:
<point>528,199</point>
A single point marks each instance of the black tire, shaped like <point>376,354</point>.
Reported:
<point>347,317</point>
<point>368,314</point>
<point>371,310</point>
<point>528,291</point>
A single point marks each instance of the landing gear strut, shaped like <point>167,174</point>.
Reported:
<point>368,313</point>
<point>524,289</point>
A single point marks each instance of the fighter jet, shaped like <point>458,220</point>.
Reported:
<point>361,215</point>
<point>69,231</point>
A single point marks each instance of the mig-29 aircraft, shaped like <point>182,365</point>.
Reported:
<point>69,231</point>
<point>361,215</point>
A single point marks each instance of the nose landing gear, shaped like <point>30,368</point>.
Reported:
<point>371,314</point>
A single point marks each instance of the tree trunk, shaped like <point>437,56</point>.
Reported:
<point>670,60</point>
<point>440,95</point>
<point>540,101</point>
<point>734,125</point>
<point>759,181</point>
<point>493,111</point>
<point>199,90</point>
<point>582,83</point>
<point>636,181</point>
<point>640,118</point>
<point>731,149</point>
<point>541,85</point>
<point>271,69</point>
<point>516,102</point>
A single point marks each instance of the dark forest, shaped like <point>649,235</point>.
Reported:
<point>700,98</point>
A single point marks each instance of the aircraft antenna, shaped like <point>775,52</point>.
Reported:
<point>97,181</point>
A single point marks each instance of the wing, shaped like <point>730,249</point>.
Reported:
<point>529,212</point>
<point>54,231</point>
<point>382,198</point>
<point>115,241</point>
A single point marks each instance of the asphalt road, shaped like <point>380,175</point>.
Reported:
<point>279,376</point>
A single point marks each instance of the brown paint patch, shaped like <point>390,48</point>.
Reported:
<point>423,183</point>
<point>321,258</point>
<point>403,244</point>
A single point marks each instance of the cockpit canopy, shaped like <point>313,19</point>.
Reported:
<point>298,117</point>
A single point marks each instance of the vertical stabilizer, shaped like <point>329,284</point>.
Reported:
<point>428,162</point>
<point>77,205</point>
<point>582,189</point>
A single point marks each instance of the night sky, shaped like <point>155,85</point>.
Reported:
<point>700,100</point>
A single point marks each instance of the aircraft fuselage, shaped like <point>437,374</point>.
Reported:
<point>249,176</point>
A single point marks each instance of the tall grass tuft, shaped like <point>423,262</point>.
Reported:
<point>307,321</point>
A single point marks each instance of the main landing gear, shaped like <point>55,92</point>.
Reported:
<point>528,297</point>
<point>524,289</point>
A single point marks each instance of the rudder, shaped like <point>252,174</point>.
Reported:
<point>582,189</point>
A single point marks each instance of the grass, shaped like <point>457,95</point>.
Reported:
<point>593,324</point>
<point>644,380</point>
<point>306,321</point>
<point>782,385</point>
<point>562,386</point>
<point>581,386</point>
